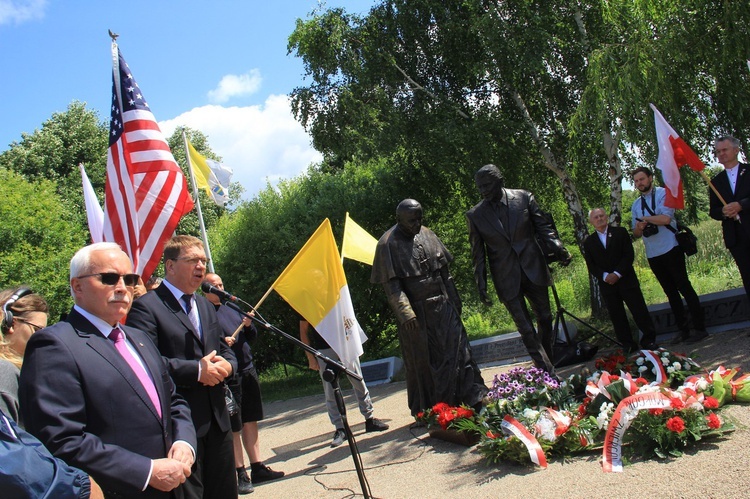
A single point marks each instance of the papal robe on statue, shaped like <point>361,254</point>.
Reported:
<point>436,354</point>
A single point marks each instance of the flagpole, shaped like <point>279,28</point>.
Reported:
<point>198,204</point>
<point>346,221</point>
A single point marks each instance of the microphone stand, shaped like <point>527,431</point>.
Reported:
<point>330,375</point>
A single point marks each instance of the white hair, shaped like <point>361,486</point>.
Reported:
<point>80,264</point>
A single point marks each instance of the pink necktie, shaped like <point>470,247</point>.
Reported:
<point>139,371</point>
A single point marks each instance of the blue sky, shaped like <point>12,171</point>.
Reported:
<point>218,66</point>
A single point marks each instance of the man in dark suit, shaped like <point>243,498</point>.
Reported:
<point>98,394</point>
<point>187,332</point>
<point>734,186</point>
<point>506,229</point>
<point>609,257</point>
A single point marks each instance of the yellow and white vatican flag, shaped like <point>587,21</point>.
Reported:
<point>314,285</point>
<point>210,175</point>
<point>358,244</point>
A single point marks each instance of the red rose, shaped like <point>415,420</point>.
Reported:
<point>463,412</point>
<point>655,412</point>
<point>677,403</point>
<point>713,421</point>
<point>440,407</point>
<point>420,415</point>
<point>710,403</point>
<point>676,424</point>
<point>641,381</point>
<point>492,435</point>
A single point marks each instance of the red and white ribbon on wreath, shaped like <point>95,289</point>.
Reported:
<point>594,389</point>
<point>628,382</point>
<point>562,423</point>
<point>511,426</point>
<point>653,357</point>
<point>626,412</point>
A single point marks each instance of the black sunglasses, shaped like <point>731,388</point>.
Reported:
<point>111,278</point>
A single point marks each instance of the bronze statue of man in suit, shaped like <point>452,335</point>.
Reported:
<point>506,229</point>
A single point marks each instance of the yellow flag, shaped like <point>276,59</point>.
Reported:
<point>314,285</point>
<point>210,175</point>
<point>358,244</point>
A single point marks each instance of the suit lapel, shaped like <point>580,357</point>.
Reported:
<point>106,349</point>
<point>174,306</point>
<point>721,182</point>
<point>154,366</point>
<point>741,185</point>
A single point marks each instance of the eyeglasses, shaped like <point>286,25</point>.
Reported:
<point>111,278</point>
<point>35,327</point>
<point>194,261</point>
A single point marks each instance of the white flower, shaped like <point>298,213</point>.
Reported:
<point>665,361</point>
<point>670,369</point>
<point>702,384</point>
<point>530,414</point>
<point>677,366</point>
<point>639,361</point>
<point>642,369</point>
<point>546,429</point>
<point>602,420</point>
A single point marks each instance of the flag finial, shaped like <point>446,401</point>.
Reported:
<point>113,35</point>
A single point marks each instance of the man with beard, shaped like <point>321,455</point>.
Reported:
<point>411,263</point>
<point>651,220</point>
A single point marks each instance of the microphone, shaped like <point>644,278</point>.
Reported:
<point>207,288</point>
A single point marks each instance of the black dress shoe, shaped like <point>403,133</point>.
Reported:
<point>698,336</point>
<point>374,424</point>
<point>261,473</point>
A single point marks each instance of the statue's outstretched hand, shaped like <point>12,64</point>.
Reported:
<point>565,257</point>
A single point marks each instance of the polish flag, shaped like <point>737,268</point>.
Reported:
<point>673,154</point>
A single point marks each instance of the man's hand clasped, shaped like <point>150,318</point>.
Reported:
<point>214,369</point>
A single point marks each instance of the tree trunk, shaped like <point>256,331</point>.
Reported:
<point>570,193</point>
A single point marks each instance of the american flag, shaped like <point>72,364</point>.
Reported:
<point>145,193</point>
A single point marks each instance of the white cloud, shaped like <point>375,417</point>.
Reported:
<point>260,144</point>
<point>235,86</point>
<point>19,11</point>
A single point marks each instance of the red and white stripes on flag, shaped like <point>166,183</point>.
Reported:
<point>145,193</point>
<point>674,153</point>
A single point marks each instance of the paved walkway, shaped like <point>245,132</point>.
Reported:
<point>404,462</point>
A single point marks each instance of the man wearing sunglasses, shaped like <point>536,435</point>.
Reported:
<point>98,394</point>
<point>187,332</point>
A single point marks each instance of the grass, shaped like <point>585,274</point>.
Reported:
<point>711,269</point>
